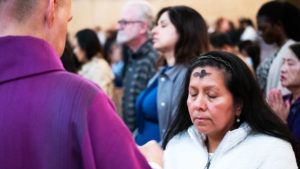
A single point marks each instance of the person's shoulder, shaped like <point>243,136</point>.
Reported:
<point>150,52</point>
<point>182,69</point>
<point>273,152</point>
<point>153,54</point>
<point>74,83</point>
<point>150,56</point>
<point>179,140</point>
<point>180,66</point>
<point>103,64</point>
<point>179,72</point>
<point>268,142</point>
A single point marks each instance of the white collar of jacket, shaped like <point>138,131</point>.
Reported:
<point>230,140</point>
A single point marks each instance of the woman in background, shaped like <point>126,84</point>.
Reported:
<point>288,107</point>
<point>68,58</point>
<point>223,122</point>
<point>95,68</point>
<point>180,35</point>
<point>277,23</point>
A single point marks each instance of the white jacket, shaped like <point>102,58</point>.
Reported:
<point>239,149</point>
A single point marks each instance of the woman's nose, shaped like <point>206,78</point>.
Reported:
<point>283,68</point>
<point>153,31</point>
<point>200,103</point>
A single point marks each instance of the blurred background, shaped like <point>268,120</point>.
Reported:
<point>106,13</point>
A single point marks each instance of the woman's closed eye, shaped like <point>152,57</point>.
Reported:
<point>211,95</point>
<point>291,63</point>
<point>193,94</point>
<point>163,25</point>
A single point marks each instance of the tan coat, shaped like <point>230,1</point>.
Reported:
<point>99,71</point>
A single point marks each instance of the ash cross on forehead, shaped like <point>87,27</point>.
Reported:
<point>202,74</point>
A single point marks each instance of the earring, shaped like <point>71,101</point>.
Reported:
<point>238,120</point>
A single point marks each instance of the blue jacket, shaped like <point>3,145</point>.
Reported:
<point>293,120</point>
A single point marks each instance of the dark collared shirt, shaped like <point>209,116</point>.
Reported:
<point>139,68</point>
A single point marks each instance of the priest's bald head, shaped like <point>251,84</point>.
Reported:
<point>44,19</point>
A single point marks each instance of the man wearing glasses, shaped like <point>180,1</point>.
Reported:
<point>134,31</point>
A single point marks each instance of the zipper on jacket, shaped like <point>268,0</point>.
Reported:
<point>209,158</point>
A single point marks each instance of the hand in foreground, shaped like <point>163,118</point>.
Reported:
<point>277,104</point>
<point>153,152</point>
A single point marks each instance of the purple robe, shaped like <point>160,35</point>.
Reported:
<point>52,119</point>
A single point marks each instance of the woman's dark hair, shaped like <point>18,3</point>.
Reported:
<point>285,13</point>
<point>89,42</point>
<point>219,39</point>
<point>296,49</point>
<point>68,59</point>
<point>192,31</point>
<point>245,91</point>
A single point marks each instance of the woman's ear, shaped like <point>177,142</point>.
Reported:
<point>238,108</point>
<point>50,13</point>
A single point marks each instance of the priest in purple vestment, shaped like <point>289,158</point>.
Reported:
<point>49,118</point>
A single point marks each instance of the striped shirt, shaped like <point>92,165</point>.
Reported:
<point>139,68</point>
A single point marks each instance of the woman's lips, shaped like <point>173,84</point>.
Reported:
<point>200,119</point>
<point>282,78</point>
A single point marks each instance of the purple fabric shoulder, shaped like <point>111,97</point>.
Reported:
<point>54,119</point>
<point>108,144</point>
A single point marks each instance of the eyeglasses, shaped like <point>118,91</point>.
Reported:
<point>124,22</point>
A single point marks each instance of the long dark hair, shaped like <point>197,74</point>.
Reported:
<point>68,58</point>
<point>192,31</point>
<point>244,89</point>
<point>89,42</point>
<point>296,49</point>
<point>285,13</point>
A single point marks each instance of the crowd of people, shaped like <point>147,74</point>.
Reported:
<point>155,92</point>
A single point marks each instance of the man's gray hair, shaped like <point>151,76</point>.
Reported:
<point>145,12</point>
